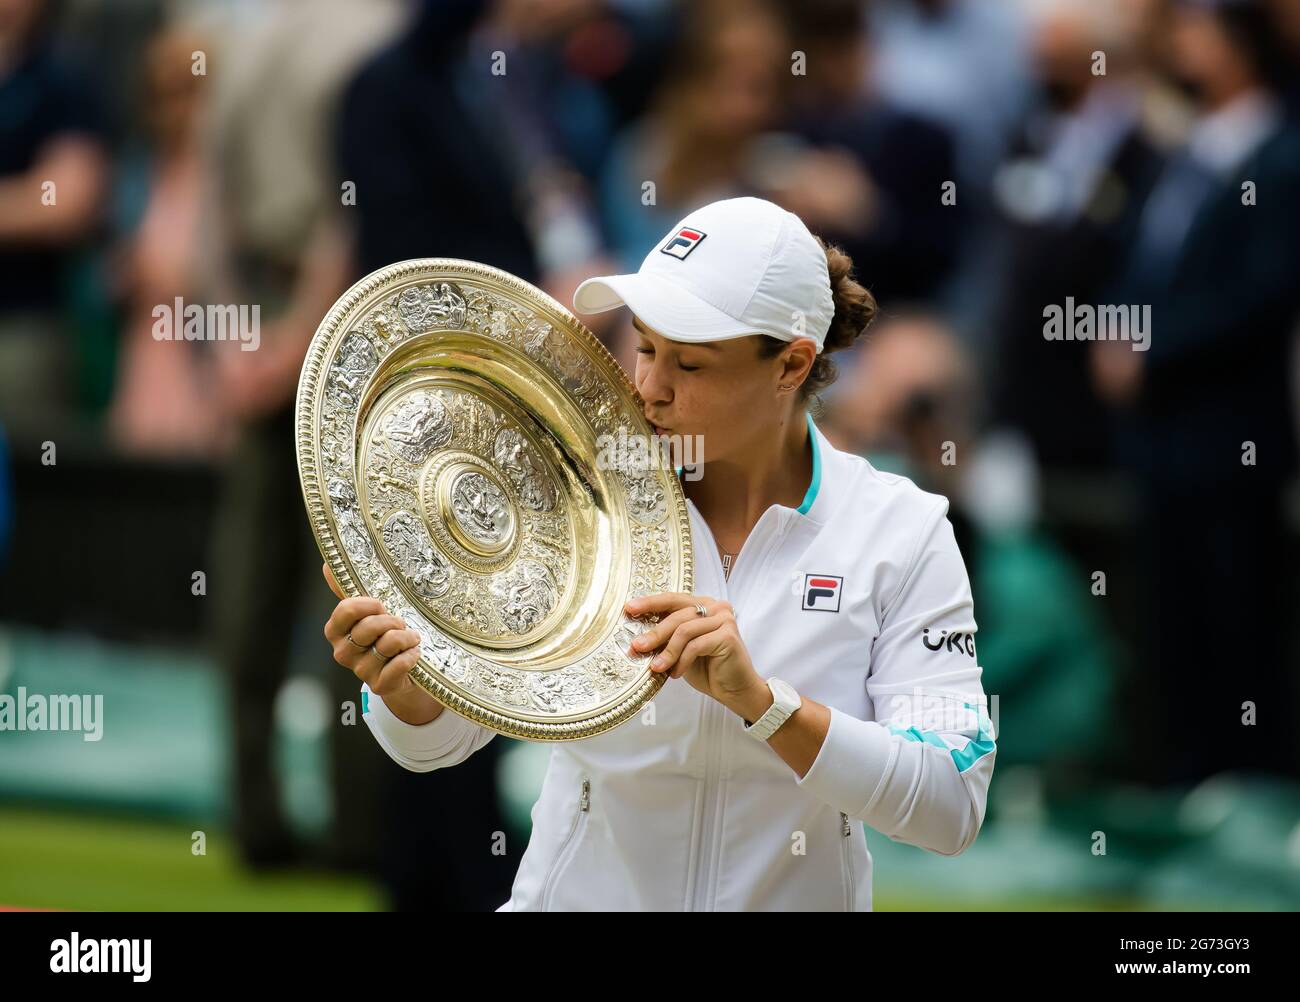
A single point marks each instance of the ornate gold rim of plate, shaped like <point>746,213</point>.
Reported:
<point>449,425</point>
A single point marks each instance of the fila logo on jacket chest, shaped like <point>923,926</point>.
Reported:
<point>821,592</point>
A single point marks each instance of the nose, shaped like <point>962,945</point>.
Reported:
<point>652,383</point>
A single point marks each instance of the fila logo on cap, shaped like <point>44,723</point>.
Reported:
<point>821,592</point>
<point>683,242</point>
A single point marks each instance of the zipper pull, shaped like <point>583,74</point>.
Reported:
<point>585,800</point>
<point>847,829</point>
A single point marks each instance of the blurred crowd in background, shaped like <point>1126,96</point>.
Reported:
<point>1129,517</point>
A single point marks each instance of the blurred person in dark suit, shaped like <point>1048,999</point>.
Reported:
<point>1069,197</point>
<point>1208,427</point>
<point>523,206</point>
<point>450,160</point>
<point>272,238</point>
<point>1286,15</point>
<point>871,176</point>
<point>53,174</point>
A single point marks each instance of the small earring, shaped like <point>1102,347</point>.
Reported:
<point>787,386</point>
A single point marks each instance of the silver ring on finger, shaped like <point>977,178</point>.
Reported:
<point>360,647</point>
<point>700,610</point>
<point>382,657</point>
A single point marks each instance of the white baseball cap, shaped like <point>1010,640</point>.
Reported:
<point>731,268</point>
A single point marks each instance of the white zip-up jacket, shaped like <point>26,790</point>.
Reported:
<point>860,600</point>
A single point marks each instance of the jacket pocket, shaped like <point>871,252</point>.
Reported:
<point>846,861</point>
<point>569,845</point>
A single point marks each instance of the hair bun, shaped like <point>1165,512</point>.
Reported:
<point>855,306</point>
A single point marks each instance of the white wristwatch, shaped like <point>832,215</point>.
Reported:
<point>784,702</point>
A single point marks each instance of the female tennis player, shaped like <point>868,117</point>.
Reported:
<point>821,679</point>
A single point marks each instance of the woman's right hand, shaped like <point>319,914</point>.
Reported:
<point>359,624</point>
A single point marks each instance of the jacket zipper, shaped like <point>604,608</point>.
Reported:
<point>579,820</point>
<point>703,850</point>
<point>846,858</point>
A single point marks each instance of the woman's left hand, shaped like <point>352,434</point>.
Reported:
<point>705,650</point>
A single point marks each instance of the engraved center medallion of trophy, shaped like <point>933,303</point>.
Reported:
<point>470,513</point>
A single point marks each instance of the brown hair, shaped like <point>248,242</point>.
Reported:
<point>855,309</point>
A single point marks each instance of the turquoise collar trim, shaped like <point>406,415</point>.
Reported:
<point>811,494</point>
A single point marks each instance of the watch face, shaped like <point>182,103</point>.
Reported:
<point>784,692</point>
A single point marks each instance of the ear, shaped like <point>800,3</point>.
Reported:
<point>799,360</point>
<point>329,579</point>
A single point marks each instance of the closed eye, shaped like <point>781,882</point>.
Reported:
<point>651,351</point>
